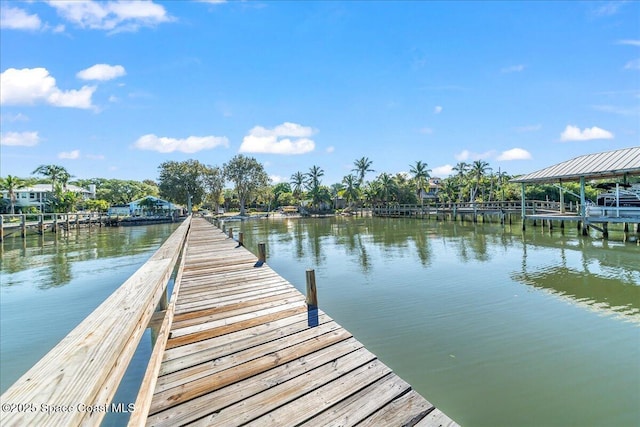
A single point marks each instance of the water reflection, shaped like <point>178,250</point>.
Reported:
<point>597,278</point>
<point>594,273</point>
<point>48,259</point>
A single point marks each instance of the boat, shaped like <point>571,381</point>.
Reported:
<point>622,195</point>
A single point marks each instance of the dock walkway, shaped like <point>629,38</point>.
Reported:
<point>241,351</point>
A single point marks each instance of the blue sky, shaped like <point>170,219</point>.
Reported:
<point>112,89</point>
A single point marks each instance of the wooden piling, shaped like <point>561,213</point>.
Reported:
<point>312,293</point>
<point>41,224</point>
<point>23,226</point>
<point>1,229</point>
<point>231,232</point>
<point>262,253</point>
<point>241,238</point>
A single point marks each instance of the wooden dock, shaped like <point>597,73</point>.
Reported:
<point>241,351</point>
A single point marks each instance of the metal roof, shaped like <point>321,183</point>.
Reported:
<point>608,164</point>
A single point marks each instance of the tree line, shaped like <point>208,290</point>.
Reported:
<point>191,183</point>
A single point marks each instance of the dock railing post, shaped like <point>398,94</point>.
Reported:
<point>312,299</point>
<point>262,255</point>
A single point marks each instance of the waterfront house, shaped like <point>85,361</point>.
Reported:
<point>38,195</point>
<point>145,206</point>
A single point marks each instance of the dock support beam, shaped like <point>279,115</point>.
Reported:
<point>523,207</point>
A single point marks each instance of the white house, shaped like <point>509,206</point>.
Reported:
<point>138,208</point>
<point>38,194</point>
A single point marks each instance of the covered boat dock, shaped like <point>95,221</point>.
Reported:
<point>618,165</point>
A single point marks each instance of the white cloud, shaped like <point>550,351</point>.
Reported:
<point>331,149</point>
<point>442,171</point>
<point>514,154</point>
<point>29,86</point>
<point>513,69</point>
<point>629,42</point>
<point>21,139</point>
<point>13,18</point>
<point>114,16</point>
<point>102,72</point>
<point>426,131</point>
<point>114,98</point>
<point>72,155</point>
<point>95,156</point>
<point>631,111</point>
<point>191,144</point>
<point>279,140</point>
<point>276,179</point>
<point>465,155</point>
<point>437,109</point>
<point>14,118</point>
<point>528,128</point>
<point>573,133</point>
<point>633,65</point>
<point>608,8</point>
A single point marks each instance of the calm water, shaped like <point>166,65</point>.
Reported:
<point>49,284</point>
<point>495,327</point>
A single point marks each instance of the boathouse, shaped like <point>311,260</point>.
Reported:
<point>617,165</point>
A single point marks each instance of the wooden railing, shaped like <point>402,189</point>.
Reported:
<point>75,382</point>
<point>531,206</point>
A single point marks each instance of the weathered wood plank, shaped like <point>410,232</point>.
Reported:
<point>259,404</point>
<point>192,354</point>
<point>436,418</point>
<point>406,410</point>
<point>236,392</point>
<point>359,406</point>
<point>183,376</point>
<point>188,391</point>
<point>314,403</point>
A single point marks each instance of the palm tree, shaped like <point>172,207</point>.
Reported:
<point>478,170</point>
<point>11,184</point>
<point>388,186</point>
<point>297,184</point>
<point>461,169</point>
<point>362,166</point>
<point>313,177</point>
<point>420,177</point>
<point>352,189</point>
<point>55,173</point>
<point>312,183</point>
<point>373,192</point>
